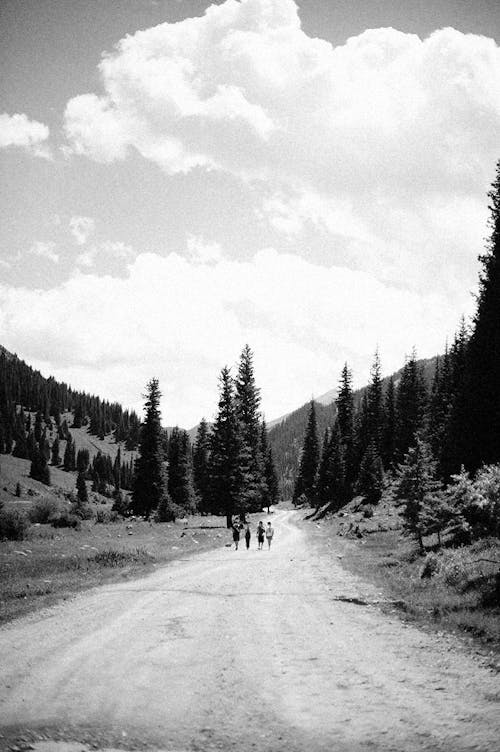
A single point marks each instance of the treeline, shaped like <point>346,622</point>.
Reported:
<point>286,437</point>
<point>369,439</point>
<point>230,469</point>
<point>427,441</point>
<point>23,387</point>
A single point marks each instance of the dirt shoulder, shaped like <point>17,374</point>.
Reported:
<point>451,591</point>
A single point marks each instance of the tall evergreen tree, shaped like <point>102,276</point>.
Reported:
<point>67,461</point>
<point>82,460</point>
<point>305,484</point>
<point>39,469</point>
<point>376,405</point>
<point>410,406</point>
<point>417,488</point>
<point>81,488</point>
<point>201,456</point>
<point>225,444</point>
<point>475,424</point>
<point>271,487</point>
<point>180,471</point>
<point>38,426</point>
<point>370,482</point>
<point>55,456</point>
<point>345,424</point>
<point>117,464</point>
<point>389,427</point>
<point>247,402</point>
<point>150,479</point>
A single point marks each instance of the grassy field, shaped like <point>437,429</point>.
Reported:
<point>51,564</point>
<point>448,589</point>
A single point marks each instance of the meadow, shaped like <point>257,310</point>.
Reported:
<point>51,564</point>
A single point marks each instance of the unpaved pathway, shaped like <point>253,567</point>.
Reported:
<point>246,650</point>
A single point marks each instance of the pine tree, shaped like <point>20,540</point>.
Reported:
<point>45,446</point>
<point>370,481</point>
<point>345,423</point>
<point>475,425</point>
<point>225,447</point>
<point>39,469</point>
<point>375,405</point>
<point>389,427</point>
<point>417,489</point>
<point>201,455</point>
<point>78,416</point>
<point>323,485</point>
<point>67,461</point>
<point>271,487</point>
<point>82,460</point>
<point>305,484</point>
<point>117,469</point>
<point>150,480</point>
<point>180,471</point>
<point>56,458</point>
<point>81,488</point>
<point>247,401</point>
<point>410,406</point>
<point>38,426</point>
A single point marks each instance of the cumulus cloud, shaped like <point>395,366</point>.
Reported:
<point>107,250</point>
<point>244,89</point>
<point>201,252</point>
<point>45,251</point>
<point>182,321</point>
<point>371,143</point>
<point>81,228</point>
<point>18,130</point>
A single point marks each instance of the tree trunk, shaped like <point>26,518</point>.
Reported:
<point>229,520</point>
<point>421,543</point>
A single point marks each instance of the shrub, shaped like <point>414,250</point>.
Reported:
<point>82,511</point>
<point>485,516</point>
<point>430,566</point>
<point>13,524</point>
<point>103,516</point>
<point>121,504</point>
<point>43,510</point>
<point>458,569</point>
<point>65,519</point>
<point>112,558</point>
<point>167,510</point>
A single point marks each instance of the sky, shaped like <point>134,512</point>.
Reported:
<point>182,178</point>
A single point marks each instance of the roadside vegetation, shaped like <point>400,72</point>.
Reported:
<point>51,563</point>
<point>445,588</point>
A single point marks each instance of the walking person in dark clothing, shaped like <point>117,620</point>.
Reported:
<point>236,535</point>
<point>260,535</point>
<point>248,535</point>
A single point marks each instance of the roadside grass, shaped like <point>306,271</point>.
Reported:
<point>52,564</point>
<point>454,589</point>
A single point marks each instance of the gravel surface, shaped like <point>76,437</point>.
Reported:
<point>278,650</point>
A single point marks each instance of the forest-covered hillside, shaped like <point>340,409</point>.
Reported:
<point>286,436</point>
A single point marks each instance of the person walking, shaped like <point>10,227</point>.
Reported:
<point>260,535</point>
<point>236,535</point>
<point>269,534</point>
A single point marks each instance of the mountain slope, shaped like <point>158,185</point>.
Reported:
<point>286,433</point>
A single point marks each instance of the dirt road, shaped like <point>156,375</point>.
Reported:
<point>240,650</point>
